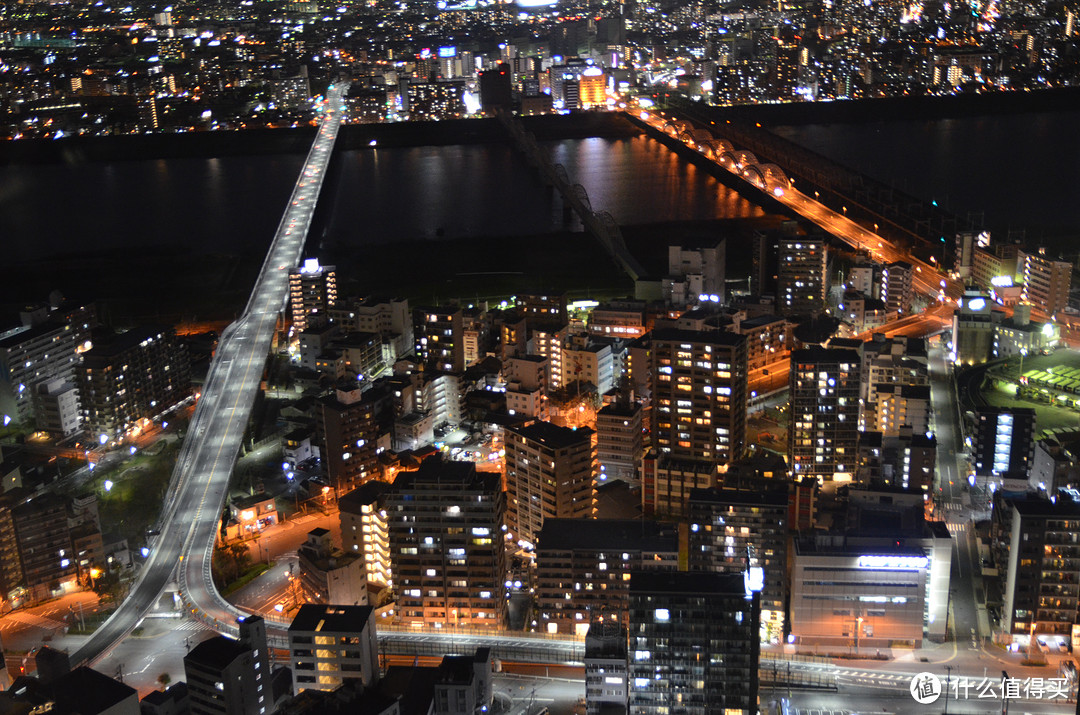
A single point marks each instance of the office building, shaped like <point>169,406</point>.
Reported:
<point>824,430</point>
<point>331,575</point>
<point>620,442</point>
<point>447,545</point>
<point>800,282</point>
<point>606,686</point>
<point>861,597</point>
<point>699,394</point>
<point>550,474</point>
<point>439,335</point>
<point>1046,283</point>
<point>583,568</point>
<point>364,530</point>
<point>734,530</point>
<point>1003,442</point>
<point>495,92</point>
<point>312,294</point>
<point>973,329</point>
<point>1041,585</point>
<point>693,643</point>
<point>43,348</point>
<point>896,287</point>
<point>231,677</point>
<point>128,379</point>
<point>1020,335</point>
<point>330,646</point>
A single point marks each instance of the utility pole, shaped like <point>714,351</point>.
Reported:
<point>948,682</point>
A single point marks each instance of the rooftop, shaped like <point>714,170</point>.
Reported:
<point>553,436</point>
<point>334,619</point>
<point>615,534</point>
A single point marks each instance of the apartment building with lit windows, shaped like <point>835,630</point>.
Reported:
<point>446,526</point>
<point>331,645</point>
<point>347,429</point>
<point>1046,282</point>
<point>44,347</point>
<point>550,473</point>
<point>699,394</point>
<point>364,529</point>
<point>800,282</point>
<point>439,335</point>
<point>824,432</point>
<point>312,294</point>
<point>733,530</point>
<point>128,378</point>
<point>694,646</point>
<point>583,568</point>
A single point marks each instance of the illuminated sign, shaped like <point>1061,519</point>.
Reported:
<point>447,52</point>
<point>1001,281</point>
<point>976,304</point>
<point>753,580</point>
<point>893,563</point>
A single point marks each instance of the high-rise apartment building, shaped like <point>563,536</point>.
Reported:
<point>439,335</point>
<point>694,644</point>
<point>447,545</point>
<point>620,442</point>
<point>800,282</point>
<point>550,473</point>
<point>699,394</point>
<point>583,568</point>
<point>43,348</point>
<point>1046,282</point>
<point>125,379</point>
<point>824,431</point>
<point>312,294</point>
<point>346,425</point>
<point>896,287</point>
<point>227,676</point>
<point>548,342</point>
<point>1042,573</point>
<point>332,645</point>
<point>364,529</point>
<point>606,684</point>
<point>734,530</point>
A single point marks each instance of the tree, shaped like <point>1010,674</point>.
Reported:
<point>164,679</point>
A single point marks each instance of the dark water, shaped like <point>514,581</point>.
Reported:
<point>1021,171</point>
<point>233,204</point>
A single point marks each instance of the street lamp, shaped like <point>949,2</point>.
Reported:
<point>858,627</point>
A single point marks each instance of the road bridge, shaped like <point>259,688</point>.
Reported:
<point>190,517</point>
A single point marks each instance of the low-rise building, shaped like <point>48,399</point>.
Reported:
<point>330,645</point>
<point>330,575</point>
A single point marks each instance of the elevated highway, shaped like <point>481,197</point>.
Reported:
<point>200,482</point>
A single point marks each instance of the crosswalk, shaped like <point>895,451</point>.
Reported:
<point>191,626</point>
<point>956,528</point>
<point>31,619</point>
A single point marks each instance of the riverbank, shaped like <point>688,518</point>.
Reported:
<point>262,142</point>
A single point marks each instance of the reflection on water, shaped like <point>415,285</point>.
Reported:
<point>233,204</point>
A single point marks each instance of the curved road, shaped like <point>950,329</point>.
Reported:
<point>191,516</point>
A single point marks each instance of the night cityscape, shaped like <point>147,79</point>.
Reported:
<point>547,357</point>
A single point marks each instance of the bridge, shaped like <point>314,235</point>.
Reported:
<point>600,224</point>
<point>774,181</point>
<point>190,517</point>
